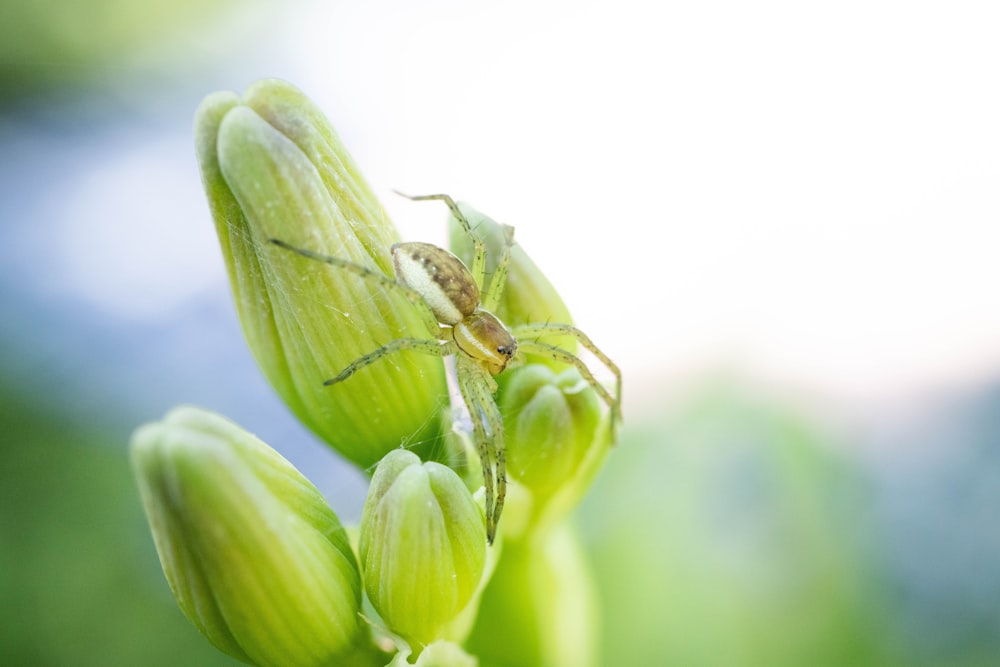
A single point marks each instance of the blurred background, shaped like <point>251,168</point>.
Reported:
<point>781,219</point>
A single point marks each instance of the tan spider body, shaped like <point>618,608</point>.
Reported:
<point>449,290</point>
<point>456,307</point>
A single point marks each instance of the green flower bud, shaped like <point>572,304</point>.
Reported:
<point>528,295</point>
<point>422,546</point>
<point>555,438</point>
<point>253,554</point>
<point>273,168</point>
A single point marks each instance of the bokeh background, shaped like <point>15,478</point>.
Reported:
<point>782,219</point>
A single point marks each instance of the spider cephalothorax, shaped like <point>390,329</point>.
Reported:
<point>456,307</point>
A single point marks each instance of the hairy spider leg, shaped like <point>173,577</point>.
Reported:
<point>478,267</point>
<point>433,326</point>
<point>477,387</point>
<point>528,335</point>
<point>440,348</point>
<point>499,280</point>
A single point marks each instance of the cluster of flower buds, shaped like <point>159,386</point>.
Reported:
<point>257,560</point>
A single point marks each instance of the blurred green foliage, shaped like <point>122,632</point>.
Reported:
<point>79,581</point>
<point>56,43</point>
<point>734,534</point>
<point>737,531</point>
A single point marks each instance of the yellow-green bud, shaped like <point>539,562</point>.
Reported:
<point>255,557</point>
<point>528,297</point>
<point>422,546</point>
<point>273,168</point>
<point>555,437</point>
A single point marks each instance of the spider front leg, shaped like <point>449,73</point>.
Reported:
<point>477,387</point>
<point>499,280</point>
<point>528,335</point>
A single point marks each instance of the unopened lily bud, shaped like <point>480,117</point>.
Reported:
<point>529,296</point>
<point>555,441</point>
<point>275,171</point>
<point>422,546</point>
<point>255,557</point>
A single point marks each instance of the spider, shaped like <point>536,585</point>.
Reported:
<point>456,306</point>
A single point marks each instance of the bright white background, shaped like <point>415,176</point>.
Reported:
<point>801,192</point>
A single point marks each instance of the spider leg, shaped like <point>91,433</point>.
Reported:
<point>499,280</point>
<point>477,387</point>
<point>479,256</point>
<point>492,415</point>
<point>414,297</point>
<point>427,346</point>
<point>528,334</point>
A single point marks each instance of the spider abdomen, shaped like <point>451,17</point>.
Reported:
<point>442,280</point>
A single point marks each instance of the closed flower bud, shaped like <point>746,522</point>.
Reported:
<point>274,169</point>
<point>255,557</point>
<point>528,296</point>
<point>422,546</point>
<point>555,442</point>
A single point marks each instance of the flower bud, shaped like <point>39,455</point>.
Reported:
<point>273,168</point>
<point>253,554</point>
<point>422,546</point>
<point>555,442</point>
<point>528,295</point>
